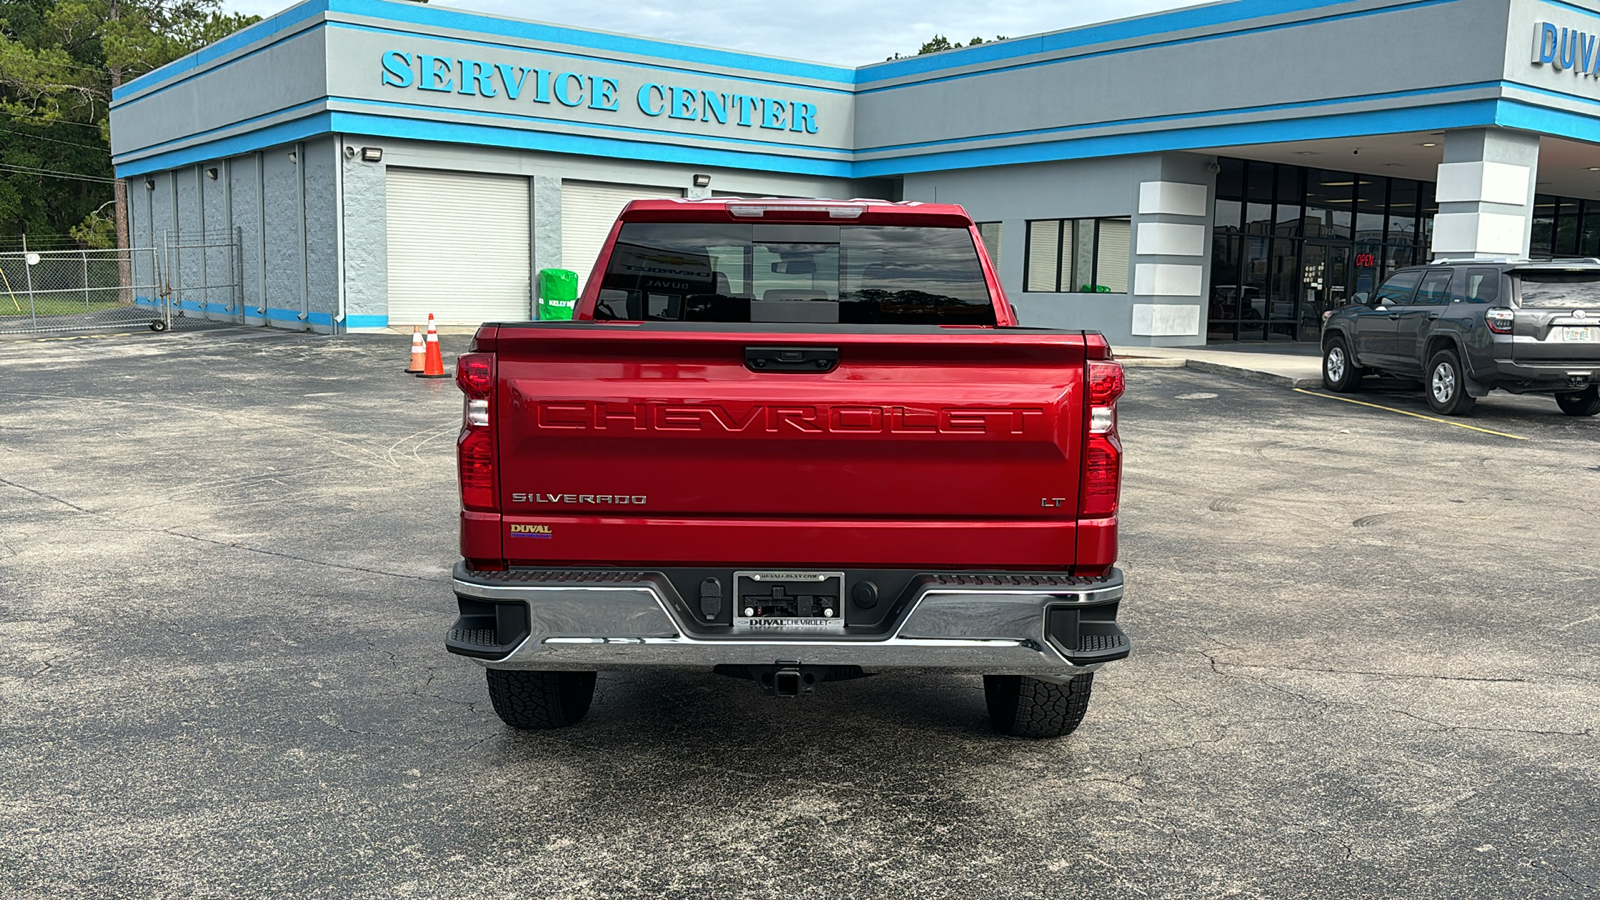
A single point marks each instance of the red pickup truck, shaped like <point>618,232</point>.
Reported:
<point>795,442</point>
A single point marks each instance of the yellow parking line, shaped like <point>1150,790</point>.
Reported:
<point>1412,414</point>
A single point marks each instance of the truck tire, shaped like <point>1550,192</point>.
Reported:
<point>1446,385</point>
<point>1027,707</point>
<point>1579,403</point>
<point>540,700</point>
<point>1339,371</point>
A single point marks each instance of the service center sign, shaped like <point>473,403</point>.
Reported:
<point>525,84</point>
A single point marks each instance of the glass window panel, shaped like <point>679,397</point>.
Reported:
<point>1081,240</point>
<point>1225,278</point>
<point>1284,288</point>
<point>1259,182</point>
<point>1291,185</point>
<point>1331,190</point>
<point>1589,243</point>
<point>1435,289</point>
<point>1544,225</point>
<point>1044,254</point>
<point>1483,285</point>
<point>1566,241</point>
<point>1291,192</point>
<point>1226,216</point>
<point>1258,218</point>
<point>990,232</point>
<point>1371,195</point>
<point>1230,181</point>
<point>1254,278</point>
<point>1402,225</point>
<point>1397,256</point>
<point>1398,289</point>
<point>1111,257</point>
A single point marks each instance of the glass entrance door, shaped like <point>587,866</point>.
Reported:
<point>1324,284</point>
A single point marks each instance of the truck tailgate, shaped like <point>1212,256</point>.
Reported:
<point>902,446</point>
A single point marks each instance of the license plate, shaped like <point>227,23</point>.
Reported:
<point>1579,334</point>
<point>788,602</point>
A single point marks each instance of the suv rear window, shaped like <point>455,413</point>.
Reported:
<point>771,272</point>
<point>1547,290</point>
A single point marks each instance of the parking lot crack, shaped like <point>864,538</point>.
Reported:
<point>1374,673</point>
<point>1441,726</point>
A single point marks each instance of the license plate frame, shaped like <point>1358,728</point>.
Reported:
<point>809,602</point>
<point>1580,333</point>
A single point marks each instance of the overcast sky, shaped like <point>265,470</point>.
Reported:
<point>846,32</point>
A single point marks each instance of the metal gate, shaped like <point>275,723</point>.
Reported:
<point>188,279</point>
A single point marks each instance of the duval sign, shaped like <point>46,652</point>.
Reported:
<point>1566,48</point>
<point>557,89</point>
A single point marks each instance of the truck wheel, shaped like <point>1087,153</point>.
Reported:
<point>538,700</point>
<point>1339,372</point>
<point>1447,385</point>
<point>1027,707</point>
<point>1580,403</point>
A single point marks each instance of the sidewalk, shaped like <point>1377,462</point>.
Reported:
<point>1290,364</point>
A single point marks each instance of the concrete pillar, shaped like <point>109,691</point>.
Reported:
<point>1172,252</point>
<point>546,225</point>
<point>1485,193</point>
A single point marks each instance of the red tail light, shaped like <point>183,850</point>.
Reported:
<point>1102,457</point>
<point>475,448</point>
<point>1500,320</point>
<point>475,375</point>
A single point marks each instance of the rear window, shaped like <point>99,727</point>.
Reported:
<point>802,273</point>
<point>1547,290</point>
<point>1483,285</point>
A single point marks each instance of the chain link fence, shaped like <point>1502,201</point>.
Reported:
<point>186,280</point>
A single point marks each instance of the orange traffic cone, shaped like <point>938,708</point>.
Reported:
<point>417,352</point>
<point>433,366</point>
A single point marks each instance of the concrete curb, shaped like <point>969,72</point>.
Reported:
<point>1252,374</point>
<point>1214,368</point>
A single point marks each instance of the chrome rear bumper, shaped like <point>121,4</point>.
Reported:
<point>1045,632</point>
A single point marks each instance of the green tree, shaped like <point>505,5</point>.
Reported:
<point>59,62</point>
<point>940,43</point>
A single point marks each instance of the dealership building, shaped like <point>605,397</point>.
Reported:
<point>1224,172</point>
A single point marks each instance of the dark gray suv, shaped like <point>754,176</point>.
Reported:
<point>1467,327</point>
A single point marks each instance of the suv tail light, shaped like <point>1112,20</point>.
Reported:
<point>1102,460</point>
<point>1500,320</point>
<point>475,446</point>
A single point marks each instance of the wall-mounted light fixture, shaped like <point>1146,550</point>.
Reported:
<point>702,181</point>
<point>211,173</point>
<point>149,184</point>
<point>349,152</point>
<point>294,157</point>
<point>371,154</point>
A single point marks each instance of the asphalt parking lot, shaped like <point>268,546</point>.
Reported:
<point>1364,665</point>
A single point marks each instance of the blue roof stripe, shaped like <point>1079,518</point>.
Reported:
<point>1468,114</point>
<point>1203,114</point>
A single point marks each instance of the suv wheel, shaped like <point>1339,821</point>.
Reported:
<point>1447,385</point>
<point>1028,707</point>
<point>1580,403</point>
<point>538,700</point>
<point>1339,370</point>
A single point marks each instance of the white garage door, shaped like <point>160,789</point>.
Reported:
<point>588,211</point>
<point>458,248</point>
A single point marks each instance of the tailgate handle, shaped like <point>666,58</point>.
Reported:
<point>791,359</point>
